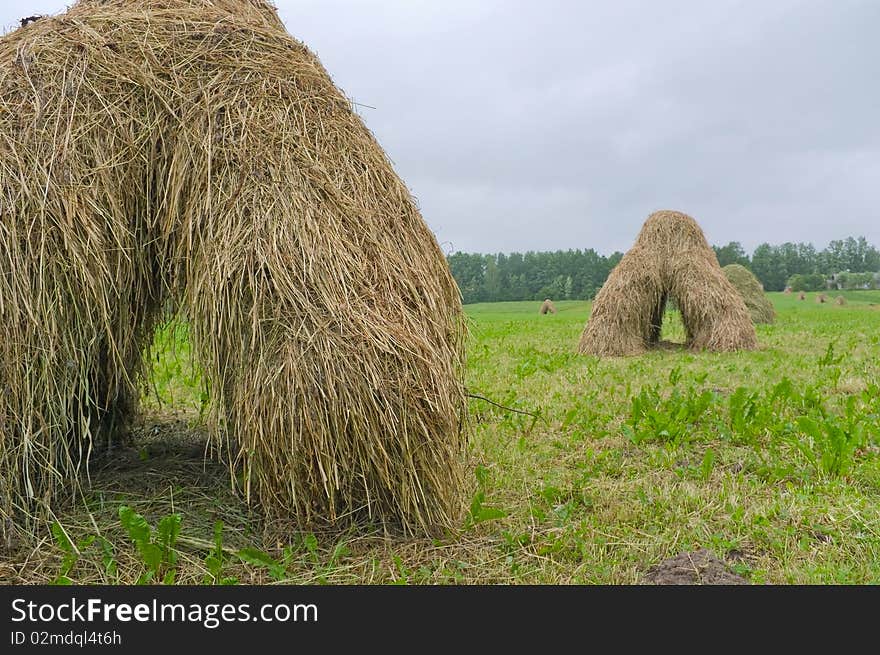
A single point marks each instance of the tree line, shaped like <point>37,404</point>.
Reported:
<point>579,274</point>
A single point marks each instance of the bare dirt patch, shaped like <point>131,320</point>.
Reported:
<point>698,568</point>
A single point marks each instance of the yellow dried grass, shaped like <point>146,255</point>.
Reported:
<point>191,151</point>
<point>752,292</point>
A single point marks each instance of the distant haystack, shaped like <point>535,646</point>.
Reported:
<point>752,292</point>
<point>547,307</point>
<point>802,296</point>
<point>670,259</point>
<point>840,301</point>
<point>821,298</point>
<point>787,290</point>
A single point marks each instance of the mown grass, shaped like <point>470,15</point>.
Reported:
<point>767,458</point>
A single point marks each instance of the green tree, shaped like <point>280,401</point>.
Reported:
<point>492,283</point>
<point>768,267</point>
<point>807,282</point>
<point>732,253</point>
<point>579,274</point>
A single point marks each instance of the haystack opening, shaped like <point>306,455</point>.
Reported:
<point>223,174</point>
<point>667,326</point>
<point>670,259</point>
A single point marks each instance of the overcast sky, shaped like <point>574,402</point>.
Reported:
<point>526,125</point>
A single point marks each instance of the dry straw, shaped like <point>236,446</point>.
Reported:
<point>547,307</point>
<point>821,298</point>
<point>752,292</point>
<point>802,296</point>
<point>191,151</point>
<point>670,259</point>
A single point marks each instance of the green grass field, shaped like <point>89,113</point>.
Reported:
<point>769,459</point>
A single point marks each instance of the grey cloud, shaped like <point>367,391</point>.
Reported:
<point>522,125</point>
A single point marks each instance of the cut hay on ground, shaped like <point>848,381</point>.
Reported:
<point>670,258</point>
<point>840,301</point>
<point>547,307</point>
<point>752,292</point>
<point>191,151</point>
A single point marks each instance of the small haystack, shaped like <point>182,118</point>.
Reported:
<point>821,298</point>
<point>787,291</point>
<point>670,258</point>
<point>752,292</point>
<point>547,307</point>
<point>840,301</point>
<point>802,296</point>
<point>193,152</point>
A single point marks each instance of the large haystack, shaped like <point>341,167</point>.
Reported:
<point>547,307</point>
<point>192,152</point>
<point>752,292</point>
<point>670,258</point>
